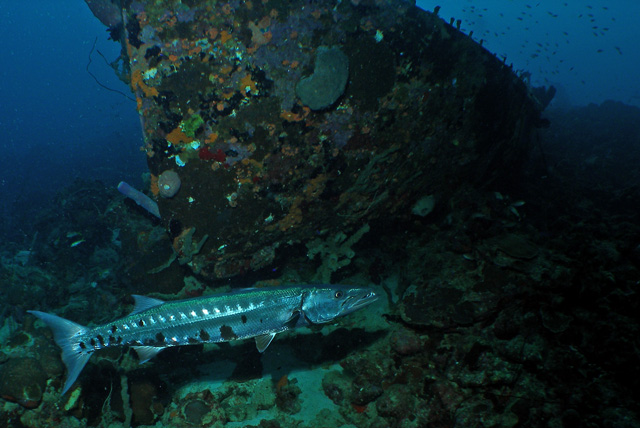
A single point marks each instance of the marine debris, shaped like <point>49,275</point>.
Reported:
<point>301,121</point>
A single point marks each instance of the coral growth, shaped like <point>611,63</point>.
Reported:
<point>328,81</point>
<point>168,184</point>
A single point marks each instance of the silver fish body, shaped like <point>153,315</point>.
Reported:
<point>154,325</point>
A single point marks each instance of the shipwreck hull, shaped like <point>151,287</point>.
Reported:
<point>291,121</point>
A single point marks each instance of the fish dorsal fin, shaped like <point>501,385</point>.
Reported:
<point>145,353</point>
<point>263,341</point>
<point>143,303</point>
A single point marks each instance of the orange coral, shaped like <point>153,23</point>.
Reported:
<point>171,22</point>
<point>271,128</point>
<point>289,151</point>
<point>247,85</point>
<point>179,241</point>
<point>194,51</point>
<point>295,117</point>
<point>224,36</point>
<point>212,33</point>
<point>290,64</point>
<point>153,186</point>
<point>138,82</point>
<point>312,191</point>
<point>293,217</point>
<point>177,137</point>
<point>211,138</point>
<point>252,163</point>
<point>290,116</point>
<point>315,187</point>
<point>282,383</point>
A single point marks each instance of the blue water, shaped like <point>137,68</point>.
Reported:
<point>58,124</point>
<point>586,49</point>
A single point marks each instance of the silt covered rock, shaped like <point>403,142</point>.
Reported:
<point>23,381</point>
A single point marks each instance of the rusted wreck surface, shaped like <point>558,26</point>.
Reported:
<point>288,121</point>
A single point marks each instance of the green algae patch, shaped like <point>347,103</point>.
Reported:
<point>191,125</point>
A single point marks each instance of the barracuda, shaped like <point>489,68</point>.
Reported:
<point>154,325</point>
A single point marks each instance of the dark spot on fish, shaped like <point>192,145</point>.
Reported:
<point>227,333</point>
<point>93,342</point>
<point>141,323</point>
<point>204,335</point>
<point>192,340</point>
<point>82,345</point>
<point>160,337</point>
<point>114,328</point>
<point>244,319</point>
<point>100,339</point>
<point>112,339</point>
<point>260,320</point>
<point>119,340</point>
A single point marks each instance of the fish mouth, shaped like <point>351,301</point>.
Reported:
<point>356,302</point>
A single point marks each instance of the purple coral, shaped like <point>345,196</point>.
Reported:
<point>186,15</point>
<point>139,198</point>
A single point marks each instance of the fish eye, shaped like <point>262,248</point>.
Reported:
<point>338,294</point>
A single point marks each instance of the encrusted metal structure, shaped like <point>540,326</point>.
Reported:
<point>289,121</point>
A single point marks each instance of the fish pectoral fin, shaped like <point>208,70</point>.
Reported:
<point>263,341</point>
<point>293,319</point>
<point>143,303</point>
<point>145,353</point>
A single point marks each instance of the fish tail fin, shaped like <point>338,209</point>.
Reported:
<point>64,332</point>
